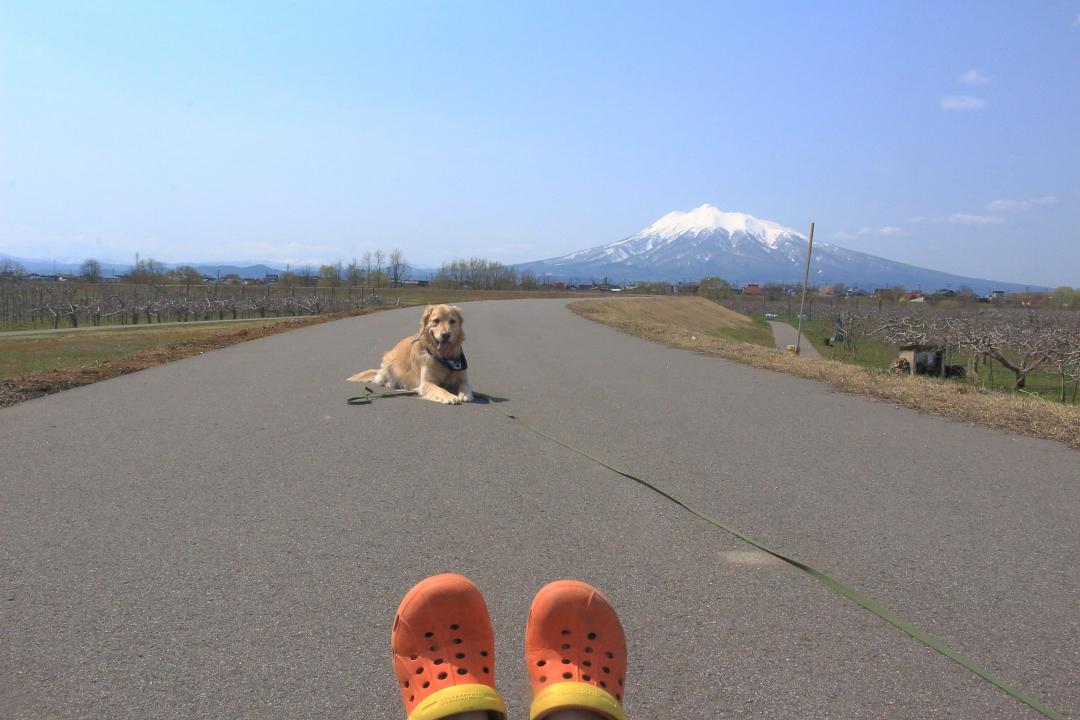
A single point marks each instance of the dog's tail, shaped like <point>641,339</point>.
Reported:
<point>366,376</point>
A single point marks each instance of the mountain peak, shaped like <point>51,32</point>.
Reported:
<point>708,218</point>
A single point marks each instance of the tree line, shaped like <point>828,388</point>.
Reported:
<point>374,268</point>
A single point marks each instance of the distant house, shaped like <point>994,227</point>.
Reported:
<point>753,289</point>
<point>912,295</point>
<point>996,294</point>
<point>271,279</point>
<point>946,293</point>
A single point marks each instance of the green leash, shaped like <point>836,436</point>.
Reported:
<point>832,583</point>
<point>375,392</point>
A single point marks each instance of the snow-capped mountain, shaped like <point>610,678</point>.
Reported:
<point>739,248</point>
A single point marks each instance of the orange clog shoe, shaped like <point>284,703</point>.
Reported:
<point>444,650</point>
<point>575,651</point>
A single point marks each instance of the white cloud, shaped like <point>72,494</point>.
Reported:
<point>958,218</point>
<point>963,102</point>
<point>973,77</point>
<point>1020,205</point>
<point>970,219</point>
<point>885,230</point>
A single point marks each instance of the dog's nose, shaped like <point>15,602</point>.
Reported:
<point>446,336</point>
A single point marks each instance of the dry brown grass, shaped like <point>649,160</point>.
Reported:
<point>1027,415</point>
<point>695,314</point>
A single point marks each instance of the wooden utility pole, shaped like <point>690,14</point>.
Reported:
<point>806,278</point>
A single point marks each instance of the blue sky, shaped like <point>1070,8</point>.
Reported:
<point>940,134</point>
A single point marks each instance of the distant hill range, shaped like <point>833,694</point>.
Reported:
<point>250,271</point>
<point>70,266</point>
<point>741,248</point>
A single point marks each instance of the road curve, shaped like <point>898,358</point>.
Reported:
<point>223,537</point>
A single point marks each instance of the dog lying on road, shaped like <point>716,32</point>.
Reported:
<point>431,362</point>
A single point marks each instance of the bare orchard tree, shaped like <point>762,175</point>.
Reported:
<point>11,270</point>
<point>379,257</point>
<point>90,270</point>
<point>1064,359</point>
<point>353,275</point>
<point>369,264</point>
<point>397,267</point>
<point>850,328</point>
<point>1022,347</point>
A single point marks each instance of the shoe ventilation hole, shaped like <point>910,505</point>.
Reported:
<point>486,670</point>
<point>588,650</point>
<point>543,679</point>
<point>406,683</point>
<point>461,671</point>
<point>413,656</point>
<point>429,634</point>
<point>442,676</point>
<point>592,636</point>
<point>566,646</point>
<point>411,698</point>
<point>609,655</point>
<point>426,685</point>
<point>586,663</point>
<point>455,626</point>
<point>566,632</point>
<point>586,678</point>
<point>567,675</point>
<point>620,682</point>
<point>459,656</point>
<point>420,670</point>
<point>603,684</point>
<point>606,670</point>
<point>457,641</point>
<point>566,661</point>
<point>483,653</point>
<point>618,696</point>
<point>541,663</point>
<point>438,661</point>
<point>434,648</point>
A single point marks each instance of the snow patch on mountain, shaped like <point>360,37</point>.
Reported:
<point>707,218</point>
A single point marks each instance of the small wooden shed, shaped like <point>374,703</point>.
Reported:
<point>924,359</point>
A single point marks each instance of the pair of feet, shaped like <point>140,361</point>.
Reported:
<point>444,653</point>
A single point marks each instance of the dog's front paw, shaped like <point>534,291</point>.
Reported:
<point>452,400</point>
<point>465,397</point>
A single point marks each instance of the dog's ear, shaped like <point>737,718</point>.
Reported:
<point>425,317</point>
<point>457,313</point>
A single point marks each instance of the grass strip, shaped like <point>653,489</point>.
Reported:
<point>1026,415</point>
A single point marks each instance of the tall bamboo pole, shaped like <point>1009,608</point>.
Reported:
<point>806,278</point>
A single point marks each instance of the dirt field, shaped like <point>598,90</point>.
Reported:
<point>657,319</point>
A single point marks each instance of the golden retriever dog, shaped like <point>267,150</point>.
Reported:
<point>430,362</point>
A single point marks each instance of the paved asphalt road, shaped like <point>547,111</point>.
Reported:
<point>223,537</point>
<point>784,334</point>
